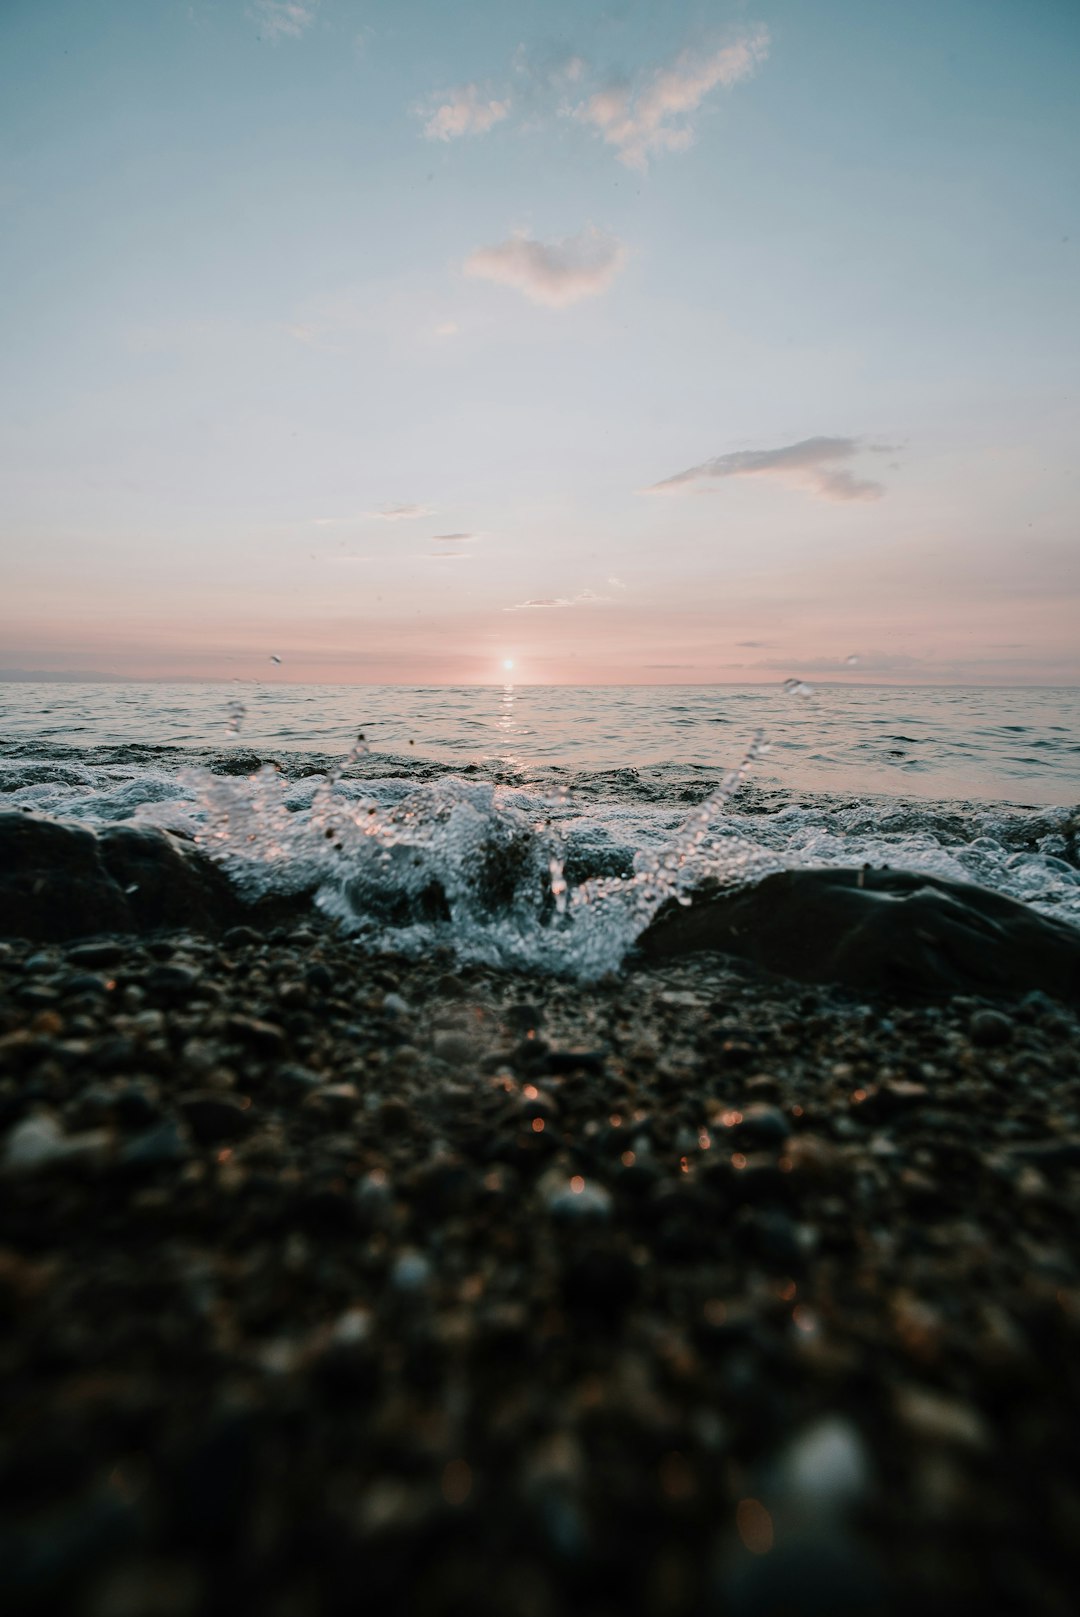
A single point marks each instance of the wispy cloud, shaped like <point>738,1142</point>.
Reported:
<point>283,19</point>
<point>464,111</point>
<point>401,513</point>
<point>809,465</point>
<point>546,602</point>
<point>555,273</point>
<point>449,539</point>
<point>654,116</point>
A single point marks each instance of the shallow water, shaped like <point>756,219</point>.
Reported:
<point>423,818</point>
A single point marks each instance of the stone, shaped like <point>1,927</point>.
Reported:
<point>887,930</point>
<point>39,1143</point>
<point>990,1029</point>
<point>579,1202</point>
<point>213,1117</point>
<point>761,1126</point>
<point>160,1147</point>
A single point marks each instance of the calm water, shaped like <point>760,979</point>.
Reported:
<point>553,822</point>
<point>1000,745</point>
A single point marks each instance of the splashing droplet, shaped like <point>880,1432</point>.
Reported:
<point>237,714</point>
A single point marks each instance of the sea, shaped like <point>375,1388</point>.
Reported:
<point>543,826</point>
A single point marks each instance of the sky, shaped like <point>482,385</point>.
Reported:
<point>624,343</point>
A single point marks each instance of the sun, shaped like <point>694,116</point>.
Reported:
<point>508,663</point>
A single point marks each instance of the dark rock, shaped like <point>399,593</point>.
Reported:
<point>134,1107</point>
<point>82,982</point>
<point>990,1028</point>
<point>107,952</point>
<point>172,982</point>
<point>215,1117</point>
<point>167,882</point>
<point>878,929</point>
<point>264,1036</point>
<point>770,1236</point>
<point>53,884</point>
<point>761,1126</point>
<point>159,1147</point>
<point>241,937</point>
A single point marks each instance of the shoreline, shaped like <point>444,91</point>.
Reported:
<point>330,1273</point>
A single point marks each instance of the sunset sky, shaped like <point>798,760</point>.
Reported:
<point>630,342</point>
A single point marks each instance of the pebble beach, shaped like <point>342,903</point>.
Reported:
<point>337,1281</point>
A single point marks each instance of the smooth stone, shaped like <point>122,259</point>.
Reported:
<point>990,1028</point>
<point>39,1143</point>
<point>159,1147</point>
<point>891,930</point>
<point>761,1126</point>
<point>590,1205</point>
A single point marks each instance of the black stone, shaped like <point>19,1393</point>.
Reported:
<point>889,930</point>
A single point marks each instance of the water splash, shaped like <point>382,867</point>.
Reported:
<point>237,713</point>
<point>467,863</point>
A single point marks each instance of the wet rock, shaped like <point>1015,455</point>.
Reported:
<point>242,937</point>
<point>881,929</point>
<point>166,881</point>
<point>53,883</point>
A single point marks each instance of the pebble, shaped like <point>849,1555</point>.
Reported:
<point>826,1467</point>
<point>39,1143</point>
<point>761,1125</point>
<point>103,952</point>
<point>213,1117</point>
<point>160,1147</point>
<point>990,1028</point>
<point>579,1202</point>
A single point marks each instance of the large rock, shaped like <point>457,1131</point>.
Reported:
<point>60,881</point>
<point>53,884</point>
<point>167,882</point>
<point>881,929</point>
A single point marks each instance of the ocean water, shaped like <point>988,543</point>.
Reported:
<point>544,826</point>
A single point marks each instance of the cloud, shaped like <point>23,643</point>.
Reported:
<point>462,112</point>
<point>455,538</point>
<point>807,465</point>
<point>555,273</point>
<point>401,513</point>
<point>283,19</point>
<point>654,117</point>
<point>583,597</point>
